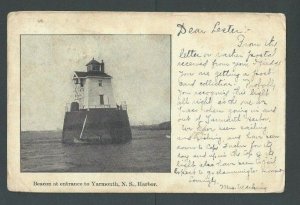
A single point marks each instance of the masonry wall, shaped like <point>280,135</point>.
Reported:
<point>111,124</point>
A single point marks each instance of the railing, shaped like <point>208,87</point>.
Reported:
<point>95,106</point>
<point>68,107</point>
<point>122,106</point>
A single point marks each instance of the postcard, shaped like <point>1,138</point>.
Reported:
<point>133,102</point>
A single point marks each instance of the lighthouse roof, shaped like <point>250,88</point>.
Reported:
<point>81,74</point>
<point>93,62</point>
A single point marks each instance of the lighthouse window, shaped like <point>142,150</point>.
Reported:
<point>100,83</point>
<point>101,100</point>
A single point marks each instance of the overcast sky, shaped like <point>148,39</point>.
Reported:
<point>139,65</point>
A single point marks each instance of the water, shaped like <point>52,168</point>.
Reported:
<point>149,151</point>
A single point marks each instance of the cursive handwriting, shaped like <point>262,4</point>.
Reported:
<point>226,105</point>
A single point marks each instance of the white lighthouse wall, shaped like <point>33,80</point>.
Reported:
<point>93,91</point>
<point>86,94</point>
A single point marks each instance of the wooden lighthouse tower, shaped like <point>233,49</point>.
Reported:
<point>94,116</point>
<point>93,88</point>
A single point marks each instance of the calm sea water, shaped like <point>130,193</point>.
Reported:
<point>149,151</point>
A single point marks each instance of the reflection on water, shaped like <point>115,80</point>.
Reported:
<point>149,151</point>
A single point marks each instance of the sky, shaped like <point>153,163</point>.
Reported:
<point>139,65</point>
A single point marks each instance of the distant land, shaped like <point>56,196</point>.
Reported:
<point>161,126</point>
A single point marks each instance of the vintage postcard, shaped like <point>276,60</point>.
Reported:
<point>114,102</point>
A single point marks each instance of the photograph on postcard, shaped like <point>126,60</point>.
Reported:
<point>95,103</point>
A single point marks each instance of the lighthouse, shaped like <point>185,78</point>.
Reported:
<point>93,89</point>
<point>94,116</point>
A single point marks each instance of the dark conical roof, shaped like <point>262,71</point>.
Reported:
<point>93,62</point>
